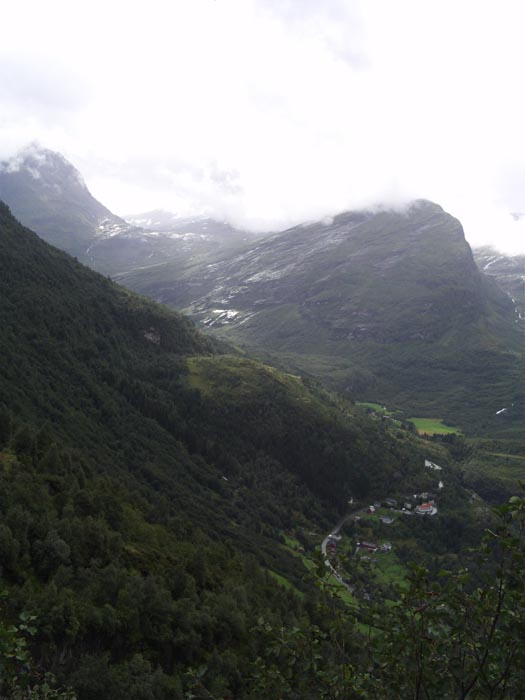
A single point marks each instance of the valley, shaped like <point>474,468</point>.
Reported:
<point>262,350</point>
<point>382,306</point>
<point>146,477</point>
<point>187,500</point>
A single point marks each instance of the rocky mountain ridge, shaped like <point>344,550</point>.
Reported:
<point>47,193</point>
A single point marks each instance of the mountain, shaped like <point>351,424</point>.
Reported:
<point>159,237</point>
<point>195,235</point>
<point>95,359</point>
<point>152,488</point>
<point>47,193</point>
<point>385,305</point>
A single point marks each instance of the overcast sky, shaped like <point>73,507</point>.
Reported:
<point>270,112</point>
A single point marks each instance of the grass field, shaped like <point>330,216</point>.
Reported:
<point>433,426</point>
<point>389,570</point>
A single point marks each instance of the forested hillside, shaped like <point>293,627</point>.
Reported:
<point>149,489</point>
<point>147,481</point>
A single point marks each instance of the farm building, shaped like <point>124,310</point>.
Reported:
<point>370,546</point>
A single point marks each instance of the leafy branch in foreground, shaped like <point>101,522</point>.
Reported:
<point>19,678</point>
<point>453,637</point>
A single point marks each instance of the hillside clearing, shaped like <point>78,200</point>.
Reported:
<point>433,426</point>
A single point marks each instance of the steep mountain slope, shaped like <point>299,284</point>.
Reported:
<point>146,481</point>
<point>49,195</point>
<point>387,305</point>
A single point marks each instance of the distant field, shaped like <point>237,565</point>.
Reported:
<point>432,426</point>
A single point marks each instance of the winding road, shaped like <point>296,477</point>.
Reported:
<point>335,536</point>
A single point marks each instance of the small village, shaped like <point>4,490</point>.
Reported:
<point>385,512</point>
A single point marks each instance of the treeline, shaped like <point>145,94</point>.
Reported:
<point>117,599</point>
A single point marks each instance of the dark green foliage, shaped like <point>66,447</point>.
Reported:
<point>145,481</point>
<point>145,484</point>
<point>19,679</point>
<point>117,585</point>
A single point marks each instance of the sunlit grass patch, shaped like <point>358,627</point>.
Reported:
<point>433,426</point>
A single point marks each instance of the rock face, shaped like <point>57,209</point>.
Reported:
<point>48,195</point>
<point>385,276</point>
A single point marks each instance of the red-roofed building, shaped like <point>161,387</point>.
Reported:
<point>426,509</point>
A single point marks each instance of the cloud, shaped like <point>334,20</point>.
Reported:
<point>39,83</point>
<point>271,112</point>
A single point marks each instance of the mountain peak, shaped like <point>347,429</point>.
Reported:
<point>425,204</point>
<point>48,194</point>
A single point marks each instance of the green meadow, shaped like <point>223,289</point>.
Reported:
<point>433,426</point>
